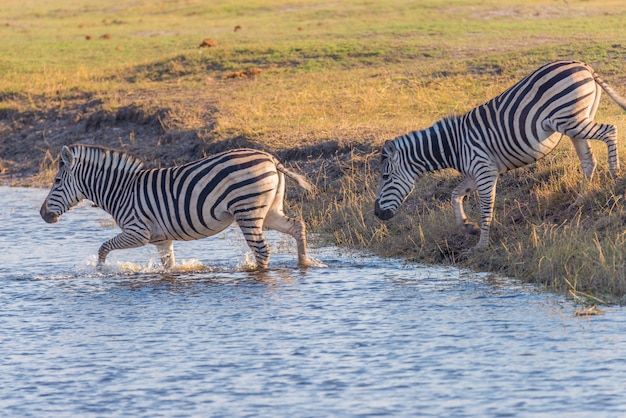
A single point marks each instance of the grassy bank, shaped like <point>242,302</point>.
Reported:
<point>324,85</point>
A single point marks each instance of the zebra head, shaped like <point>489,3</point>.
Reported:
<point>396,181</point>
<point>64,193</point>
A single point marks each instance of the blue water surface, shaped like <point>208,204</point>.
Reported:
<point>362,336</point>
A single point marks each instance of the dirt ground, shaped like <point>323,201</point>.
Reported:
<point>30,140</point>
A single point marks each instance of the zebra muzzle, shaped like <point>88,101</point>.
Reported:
<point>48,216</point>
<point>382,214</point>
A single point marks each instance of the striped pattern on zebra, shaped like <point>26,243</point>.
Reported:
<point>516,128</point>
<point>188,202</point>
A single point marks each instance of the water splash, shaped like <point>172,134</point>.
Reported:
<point>191,265</point>
<point>248,263</point>
<point>152,265</point>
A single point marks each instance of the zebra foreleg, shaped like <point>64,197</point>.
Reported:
<point>467,186</point>
<point>121,241</point>
<point>166,253</point>
<point>486,186</point>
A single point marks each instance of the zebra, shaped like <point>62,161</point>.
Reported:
<point>191,201</point>
<point>514,129</point>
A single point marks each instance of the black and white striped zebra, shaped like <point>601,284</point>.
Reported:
<point>516,128</point>
<point>192,201</point>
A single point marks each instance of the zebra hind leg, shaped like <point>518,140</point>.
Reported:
<point>585,155</point>
<point>276,219</point>
<point>295,227</point>
<point>580,133</point>
<point>589,129</point>
<point>252,229</point>
<point>588,164</point>
<point>608,134</point>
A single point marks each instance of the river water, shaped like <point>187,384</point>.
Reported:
<point>362,336</point>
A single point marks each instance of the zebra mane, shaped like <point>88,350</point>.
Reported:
<point>107,157</point>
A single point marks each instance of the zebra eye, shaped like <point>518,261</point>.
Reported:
<point>57,180</point>
<point>386,171</point>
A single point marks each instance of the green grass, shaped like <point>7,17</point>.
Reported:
<point>355,73</point>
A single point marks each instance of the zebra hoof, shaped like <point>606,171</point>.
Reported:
<point>311,262</point>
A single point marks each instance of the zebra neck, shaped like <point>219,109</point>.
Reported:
<point>436,147</point>
<point>109,190</point>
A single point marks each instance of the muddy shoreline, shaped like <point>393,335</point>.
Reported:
<point>30,140</point>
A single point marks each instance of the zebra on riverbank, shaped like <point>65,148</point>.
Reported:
<point>516,128</point>
<point>192,201</point>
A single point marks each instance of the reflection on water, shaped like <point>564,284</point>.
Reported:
<point>362,336</point>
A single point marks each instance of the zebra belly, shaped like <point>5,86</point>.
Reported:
<point>192,231</point>
<point>214,227</point>
<point>538,149</point>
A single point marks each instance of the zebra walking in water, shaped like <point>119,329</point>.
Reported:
<point>516,128</point>
<point>192,201</point>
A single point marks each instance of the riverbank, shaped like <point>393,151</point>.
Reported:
<point>538,236</point>
<point>322,87</point>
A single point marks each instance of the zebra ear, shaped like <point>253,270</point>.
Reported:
<point>391,150</point>
<point>67,157</point>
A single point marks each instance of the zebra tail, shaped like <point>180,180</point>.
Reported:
<point>617,98</point>
<point>300,179</point>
